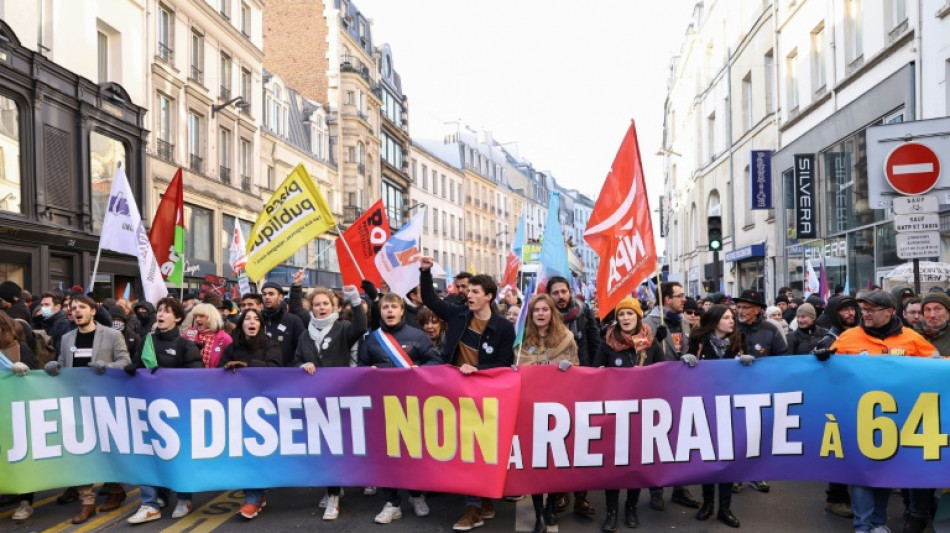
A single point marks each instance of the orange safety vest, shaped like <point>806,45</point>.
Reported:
<point>908,342</point>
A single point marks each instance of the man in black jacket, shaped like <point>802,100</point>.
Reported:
<point>11,301</point>
<point>53,318</point>
<point>280,325</point>
<point>461,286</point>
<point>804,339</point>
<point>476,339</point>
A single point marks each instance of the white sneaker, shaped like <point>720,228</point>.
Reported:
<point>146,513</point>
<point>419,505</point>
<point>333,508</point>
<point>326,498</point>
<point>389,513</point>
<point>182,509</point>
<point>24,511</point>
<point>161,503</point>
<point>881,529</point>
<point>369,491</point>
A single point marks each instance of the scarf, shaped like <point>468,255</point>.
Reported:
<point>571,312</point>
<point>933,333</point>
<point>894,327</point>
<point>12,354</point>
<point>205,337</point>
<point>673,319</point>
<point>319,327</point>
<point>719,345</point>
<point>640,342</point>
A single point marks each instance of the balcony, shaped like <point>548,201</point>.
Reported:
<point>361,169</point>
<point>351,213</point>
<point>469,236</point>
<point>196,163</point>
<point>246,183</point>
<point>494,242</point>
<point>196,75</point>
<point>165,53</point>
<point>478,203</point>
<point>468,198</point>
<point>225,174</point>
<point>166,151</point>
<point>225,93</point>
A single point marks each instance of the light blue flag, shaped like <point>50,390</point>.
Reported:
<point>523,315</point>
<point>517,245</point>
<point>553,253</point>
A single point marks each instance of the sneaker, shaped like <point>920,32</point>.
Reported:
<point>761,486</point>
<point>488,509</point>
<point>389,513</point>
<point>333,508</point>
<point>249,510</point>
<point>161,503</point>
<point>24,511</point>
<point>881,529</point>
<point>470,520</point>
<point>182,508</point>
<point>840,509</point>
<point>419,505</point>
<point>146,513</point>
<point>326,497</point>
<point>367,491</point>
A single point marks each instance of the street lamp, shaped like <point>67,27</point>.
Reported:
<point>238,102</point>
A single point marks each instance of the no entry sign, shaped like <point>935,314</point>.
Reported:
<point>912,168</point>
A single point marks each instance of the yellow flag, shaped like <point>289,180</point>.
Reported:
<point>294,216</point>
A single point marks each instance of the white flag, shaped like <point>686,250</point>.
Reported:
<point>123,232</point>
<point>238,257</point>
<point>811,282</point>
<point>398,259</point>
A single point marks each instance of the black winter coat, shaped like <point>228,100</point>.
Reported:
<point>763,338</point>
<point>142,328</point>
<point>56,326</point>
<point>703,349</point>
<point>260,357</point>
<point>804,342</point>
<point>285,328</point>
<point>415,342</point>
<point>499,334</point>
<point>171,351</point>
<point>335,350</point>
<point>610,358</point>
<point>295,304</point>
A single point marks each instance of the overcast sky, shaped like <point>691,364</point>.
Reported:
<point>561,79</point>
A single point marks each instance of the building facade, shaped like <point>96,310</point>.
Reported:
<point>68,120</point>
<point>437,184</point>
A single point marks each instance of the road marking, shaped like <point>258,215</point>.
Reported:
<point>40,503</point>
<point>913,168</point>
<point>112,516</point>
<point>103,518</point>
<point>211,515</point>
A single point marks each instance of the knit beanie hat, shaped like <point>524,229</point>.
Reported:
<point>807,310</point>
<point>10,290</point>
<point>629,303</point>
<point>938,297</point>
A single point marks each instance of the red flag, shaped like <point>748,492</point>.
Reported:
<point>620,229</point>
<point>510,277</point>
<point>169,217</point>
<point>365,237</point>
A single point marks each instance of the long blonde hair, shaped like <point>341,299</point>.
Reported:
<point>215,322</point>
<point>556,329</point>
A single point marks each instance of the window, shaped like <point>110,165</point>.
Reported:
<point>435,221</point>
<point>444,194</point>
<point>166,24</point>
<point>350,98</point>
<point>164,130</point>
<point>227,233</point>
<point>225,75</point>
<point>391,150</point>
<point>195,162</point>
<point>224,8</point>
<point>224,155</point>
<point>245,162</point>
<point>845,171</point>
<point>792,82</point>
<point>769,81</point>
<point>854,31</point>
<point>105,156</point>
<point>747,117</point>
<point>392,108</point>
<point>245,20</point>
<point>435,183</point>
<point>11,185</point>
<point>200,239</point>
<point>711,136</point>
<point>197,57</point>
<point>445,229</point>
<point>452,186</point>
<point>270,178</point>
<point>425,178</point>
<point>392,200</point>
<point>452,226</point>
<point>246,87</point>
<point>818,53</point>
<point>103,61</point>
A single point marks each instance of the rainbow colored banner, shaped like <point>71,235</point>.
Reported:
<point>857,420</point>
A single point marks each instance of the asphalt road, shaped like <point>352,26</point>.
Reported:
<point>789,507</point>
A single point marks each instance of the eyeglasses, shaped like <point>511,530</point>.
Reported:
<point>872,310</point>
<point>690,312</point>
<point>680,295</point>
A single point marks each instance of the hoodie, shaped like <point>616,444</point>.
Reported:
<point>144,326</point>
<point>830,320</point>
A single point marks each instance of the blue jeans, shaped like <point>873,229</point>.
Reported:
<point>870,507</point>
<point>253,496</point>
<point>151,495</point>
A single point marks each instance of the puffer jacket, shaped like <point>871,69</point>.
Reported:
<point>803,341</point>
<point>414,342</point>
<point>171,351</point>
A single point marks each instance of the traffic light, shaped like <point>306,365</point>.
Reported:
<point>714,223</point>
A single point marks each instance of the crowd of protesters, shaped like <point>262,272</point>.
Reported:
<point>472,329</point>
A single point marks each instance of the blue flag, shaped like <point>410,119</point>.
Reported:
<point>523,315</point>
<point>553,253</point>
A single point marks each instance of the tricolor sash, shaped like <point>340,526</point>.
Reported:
<point>391,346</point>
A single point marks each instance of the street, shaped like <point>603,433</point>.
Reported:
<point>790,506</point>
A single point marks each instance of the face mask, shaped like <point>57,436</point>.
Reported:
<point>143,315</point>
<point>118,325</point>
<point>46,311</point>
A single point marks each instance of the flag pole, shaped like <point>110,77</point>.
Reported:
<point>350,252</point>
<point>325,250</point>
<point>659,295</point>
<point>95,269</point>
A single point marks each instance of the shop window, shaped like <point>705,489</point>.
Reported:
<point>199,239</point>
<point>846,186</point>
<point>11,187</point>
<point>105,156</point>
<point>860,259</point>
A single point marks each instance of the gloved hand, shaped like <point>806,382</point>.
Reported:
<point>52,368</point>
<point>20,369</point>
<point>369,289</point>
<point>130,369</point>
<point>154,370</point>
<point>824,353</point>
<point>564,365</point>
<point>351,296</point>
<point>689,359</point>
<point>234,365</point>
<point>661,333</point>
<point>99,366</point>
<point>746,359</point>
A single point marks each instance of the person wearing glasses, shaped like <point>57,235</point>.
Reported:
<point>672,332</point>
<point>691,313</point>
<point>761,338</point>
<point>913,312</point>
<point>882,333</point>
